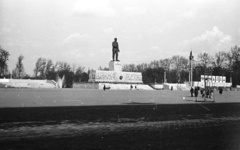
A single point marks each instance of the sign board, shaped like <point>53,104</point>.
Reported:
<point>221,79</point>
<point>224,79</point>
<point>213,79</point>
<point>217,79</point>
<point>202,78</point>
<point>209,78</point>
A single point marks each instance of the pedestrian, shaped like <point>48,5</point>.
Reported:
<point>191,91</point>
<point>196,92</point>
<point>104,87</point>
<point>211,92</point>
<point>203,92</point>
<point>207,93</point>
<point>220,90</point>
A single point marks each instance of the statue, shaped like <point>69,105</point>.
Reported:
<point>115,49</point>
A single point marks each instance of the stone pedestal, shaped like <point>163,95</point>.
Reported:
<point>115,75</point>
<point>115,66</point>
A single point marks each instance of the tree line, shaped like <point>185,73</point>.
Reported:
<point>223,63</point>
<point>46,69</point>
<point>18,71</point>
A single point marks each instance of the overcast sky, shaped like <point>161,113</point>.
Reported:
<point>82,31</point>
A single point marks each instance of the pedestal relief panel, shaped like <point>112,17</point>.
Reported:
<point>115,75</point>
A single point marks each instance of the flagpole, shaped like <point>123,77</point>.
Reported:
<point>191,74</point>
<point>191,69</point>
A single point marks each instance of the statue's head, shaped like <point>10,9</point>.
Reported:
<point>115,39</point>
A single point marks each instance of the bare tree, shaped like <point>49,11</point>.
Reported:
<point>141,67</point>
<point>205,59</point>
<point>236,51</point>
<point>3,61</point>
<point>220,58</point>
<point>19,67</point>
<point>103,68</point>
<point>154,64</point>
<point>179,63</point>
<point>129,68</point>
<point>165,63</point>
<point>40,67</point>
<point>62,66</point>
<point>79,74</point>
<point>49,68</point>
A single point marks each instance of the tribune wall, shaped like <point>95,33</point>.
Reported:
<point>27,83</point>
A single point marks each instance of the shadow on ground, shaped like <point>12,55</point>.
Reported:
<point>128,126</point>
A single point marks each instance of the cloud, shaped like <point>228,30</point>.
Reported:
<point>239,33</point>
<point>4,31</point>
<point>203,3</point>
<point>213,36</point>
<point>190,14</point>
<point>72,54</point>
<point>155,47</point>
<point>92,8</point>
<point>108,30</point>
<point>134,10</point>
<point>210,41</point>
<point>181,18</point>
<point>74,37</point>
<point>77,41</point>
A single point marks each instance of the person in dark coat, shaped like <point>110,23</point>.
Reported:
<point>191,91</point>
<point>203,92</point>
<point>207,92</point>
<point>196,92</point>
<point>220,90</point>
<point>104,87</point>
<point>211,93</point>
<point>131,87</point>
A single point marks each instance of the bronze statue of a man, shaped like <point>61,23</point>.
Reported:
<point>115,49</point>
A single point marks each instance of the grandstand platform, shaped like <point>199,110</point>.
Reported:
<point>27,83</point>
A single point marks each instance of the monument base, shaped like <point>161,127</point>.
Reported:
<point>115,66</point>
<point>115,75</point>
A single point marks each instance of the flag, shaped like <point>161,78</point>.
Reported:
<point>191,56</point>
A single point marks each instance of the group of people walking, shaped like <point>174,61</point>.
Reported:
<point>194,91</point>
<point>208,92</point>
